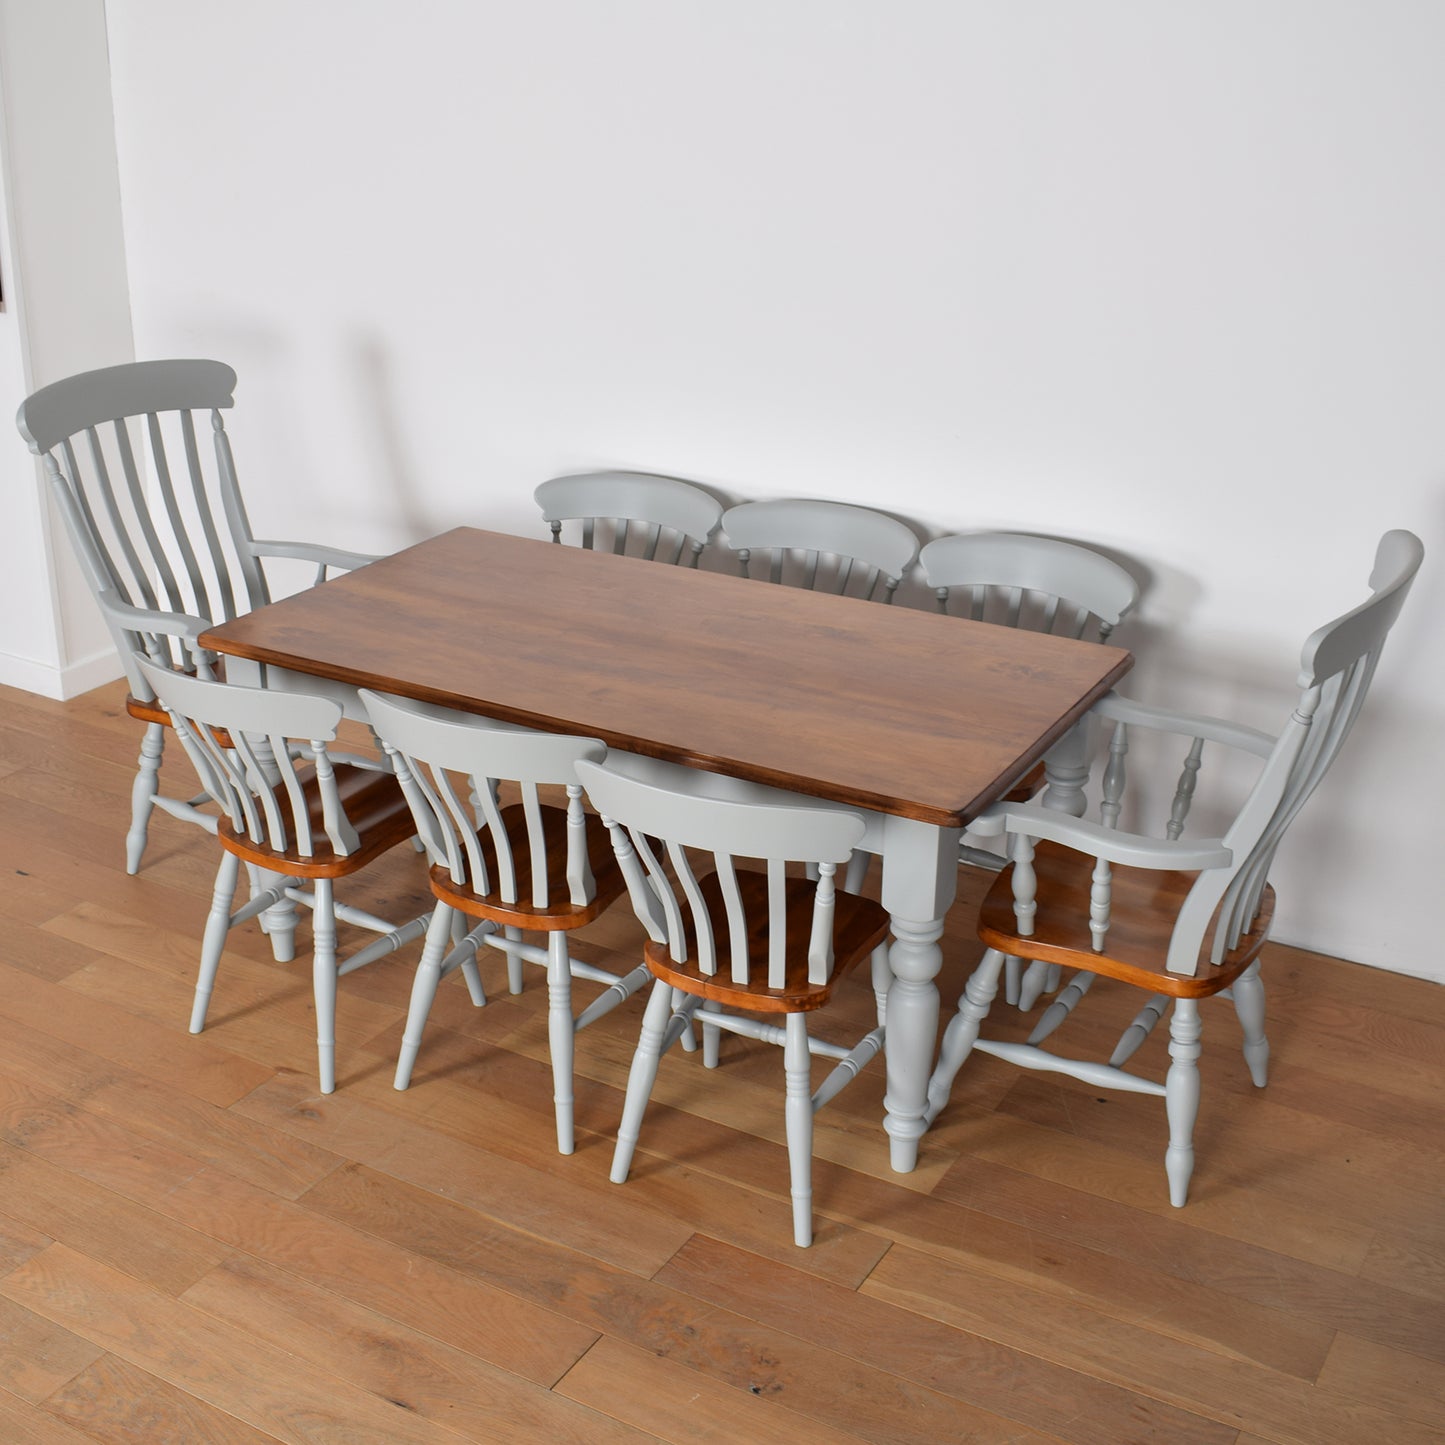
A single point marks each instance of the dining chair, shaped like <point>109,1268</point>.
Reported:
<point>528,866</point>
<point>161,534</point>
<point>294,809</point>
<point>736,941</point>
<point>820,545</point>
<point>1046,585</point>
<point>1180,919</point>
<point>659,518</point>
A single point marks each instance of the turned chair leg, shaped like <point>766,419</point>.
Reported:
<point>423,991</point>
<point>1248,995</point>
<point>323,980</point>
<point>1181,1096</point>
<point>641,1077</point>
<point>798,1121</point>
<point>962,1031</point>
<point>213,943</point>
<point>143,792</point>
<point>561,1035</point>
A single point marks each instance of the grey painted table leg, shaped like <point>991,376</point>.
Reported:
<point>920,878</point>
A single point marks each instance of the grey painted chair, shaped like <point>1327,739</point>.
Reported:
<point>659,518</point>
<point>770,943</point>
<point>1180,919</point>
<point>826,546</point>
<point>160,530</point>
<point>527,866</point>
<point>1045,585</point>
<point>293,809</point>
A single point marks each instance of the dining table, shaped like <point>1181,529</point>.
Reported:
<point>915,719</point>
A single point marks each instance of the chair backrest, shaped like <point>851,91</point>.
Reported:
<point>155,525</point>
<point>653,826</point>
<point>1336,667</point>
<point>256,781</point>
<point>659,518</point>
<point>451,766</point>
<point>825,546</point>
<point>1039,583</point>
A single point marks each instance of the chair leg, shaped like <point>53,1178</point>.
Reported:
<point>423,991</point>
<point>962,1031</point>
<point>218,925</point>
<point>323,980</point>
<point>279,921</point>
<point>561,1035</point>
<point>641,1077</point>
<point>143,792</point>
<point>1038,978</point>
<point>1181,1096</point>
<point>798,1119</point>
<point>514,961</point>
<point>882,981</point>
<point>711,1044</point>
<point>1248,994</point>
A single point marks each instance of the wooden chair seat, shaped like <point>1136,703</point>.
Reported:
<point>374,804</point>
<point>1145,903</point>
<point>559,912</point>
<point>859,926</point>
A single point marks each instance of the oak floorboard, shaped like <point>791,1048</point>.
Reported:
<point>229,1214</point>
<point>22,1423</point>
<point>164,1053</point>
<point>1394,1379</point>
<point>1013,1383</point>
<point>37,1356</point>
<point>240,1374</point>
<point>1334,1299</point>
<point>118,1403</point>
<point>1231,1387</point>
<point>98,1221</point>
<point>672,1402</point>
<point>269,1158</point>
<point>429,1379</point>
<point>745,1354</point>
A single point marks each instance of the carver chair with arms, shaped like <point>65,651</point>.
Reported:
<point>662,519</point>
<point>1183,920</point>
<point>517,867</point>
<point>159,528</point>
<point>824,546</point>
<point>1043,584</point>
<point>294,808</point>
<point>734,942</point>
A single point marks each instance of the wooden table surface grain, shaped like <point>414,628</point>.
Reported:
<point>889,708</point>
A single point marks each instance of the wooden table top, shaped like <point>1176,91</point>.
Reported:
<point>888,708</point>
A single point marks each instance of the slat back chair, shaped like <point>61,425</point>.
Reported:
<point>517,867</point>
<point>659,518</point>
<point>765,942</point>
<point>156,518</point>
<point>292,808</point>
<point>1045,585</point>
<point>824,546</point>
<point>1040,583</point>
<point>1180,919</point>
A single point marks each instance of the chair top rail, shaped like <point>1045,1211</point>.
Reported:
<point>631,496</point>
<point>808,525</point>
<point>93,398</point>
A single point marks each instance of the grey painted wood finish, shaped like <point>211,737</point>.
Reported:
<point>661,519</point>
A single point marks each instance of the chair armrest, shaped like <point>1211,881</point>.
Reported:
<point>141,619</point>
<point>322,556</point>
<point>1133,850</point>
<point>1160,719</point>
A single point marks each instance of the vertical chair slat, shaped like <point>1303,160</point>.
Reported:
<point>536,845</point>
<point>207,519</point>
<point>257,592</point>
<point>777,923</point>
<point>701,921</point>
<point>140,590</point>
<point>158,560</point>
<point>160,463</point>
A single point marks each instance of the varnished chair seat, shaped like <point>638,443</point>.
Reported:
<point>374,804</point>
<point>559,912</point>
<point>1144,905</point>
<point>859,926</point>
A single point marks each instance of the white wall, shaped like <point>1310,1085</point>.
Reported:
<point>1166,278</point>
<point>67,309</point>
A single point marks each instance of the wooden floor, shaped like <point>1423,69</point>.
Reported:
<point>195,1246</point>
